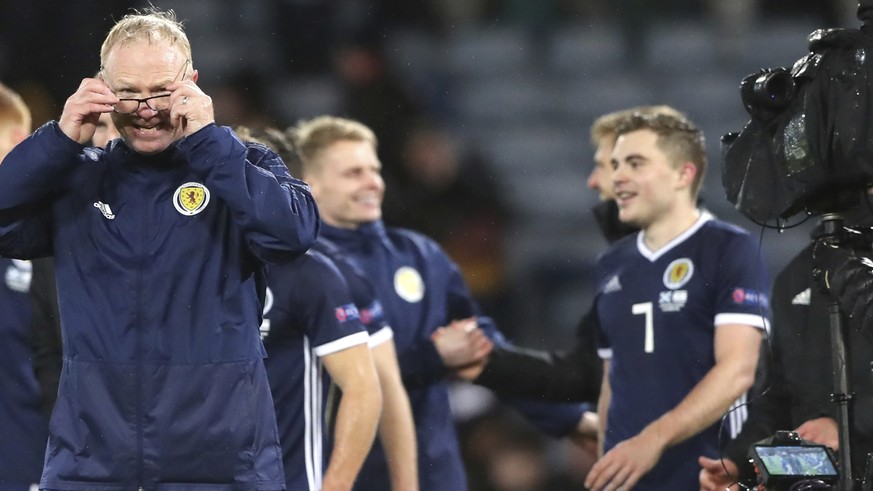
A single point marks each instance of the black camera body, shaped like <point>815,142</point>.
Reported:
<point>786,462</point>
<point>808,146</point>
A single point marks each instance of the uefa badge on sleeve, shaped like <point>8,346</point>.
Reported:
<point>191,198</point>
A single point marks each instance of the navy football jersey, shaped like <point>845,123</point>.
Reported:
<point>658,311</point>
<point>363,294</point>
<point>308,314</point>
<point>23,428</point>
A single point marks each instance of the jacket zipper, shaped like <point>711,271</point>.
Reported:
<point>139,346</point>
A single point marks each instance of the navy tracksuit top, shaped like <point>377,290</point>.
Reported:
<point>160,270</point>
<point>422,289</point>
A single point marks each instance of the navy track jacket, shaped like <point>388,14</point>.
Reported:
<point>160,269</point>
<point>422,289</point>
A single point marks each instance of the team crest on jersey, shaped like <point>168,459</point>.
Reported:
<point>678,273</point>
<point>191,198</point>
<point>408,284</point>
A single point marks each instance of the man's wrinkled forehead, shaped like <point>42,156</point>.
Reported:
<point>126,64</point>
<point>121,52</point>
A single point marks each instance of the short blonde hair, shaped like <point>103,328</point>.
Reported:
<point>13,110</point>
<point>677,137</point>
<point>607,125</point>
<point>312,137</point>
<point>150,25</point>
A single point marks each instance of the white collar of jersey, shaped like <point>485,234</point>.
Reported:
<point>653,256</point>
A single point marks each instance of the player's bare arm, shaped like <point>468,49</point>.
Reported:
<point>353,371</point>
<point>736,348</point>
<point>396,426</point>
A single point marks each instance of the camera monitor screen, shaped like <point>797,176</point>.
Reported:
<point>795,460</point>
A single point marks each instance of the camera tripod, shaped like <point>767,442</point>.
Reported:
<point>833,234</point>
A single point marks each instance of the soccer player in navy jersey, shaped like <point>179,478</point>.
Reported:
<point>575,374</point>
<point>396,427</point>
<point>312,329</point>
<point>681,307</point>
<point>421,289</point>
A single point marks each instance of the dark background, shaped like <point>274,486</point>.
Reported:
<point>483,109</point>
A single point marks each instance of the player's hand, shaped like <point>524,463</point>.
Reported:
<point>190,108</point>
<point>823,431</point>
<point>461,344</point>
<point>623,466</point>
<point>83,109</point>
<point>717,477</point>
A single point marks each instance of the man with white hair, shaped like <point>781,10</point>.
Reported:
<point>160,243</point>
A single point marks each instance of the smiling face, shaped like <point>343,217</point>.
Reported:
<point>346,182</point>
<point>648,186</point>
<point>141,69</point>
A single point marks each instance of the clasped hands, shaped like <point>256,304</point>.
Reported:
<point>463,347</point>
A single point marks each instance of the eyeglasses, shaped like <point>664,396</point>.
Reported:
<point>131,105</point>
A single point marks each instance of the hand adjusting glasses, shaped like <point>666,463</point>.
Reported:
<point>161,102</point>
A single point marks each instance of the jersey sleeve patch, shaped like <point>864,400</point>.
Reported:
<point>346,312</point>
<point>754,298</point>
